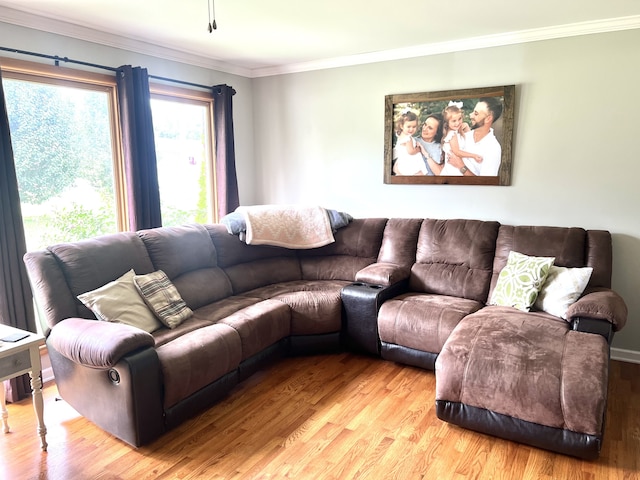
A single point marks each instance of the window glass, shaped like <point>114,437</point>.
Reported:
<point>62,142</point>
<point>181,130</point>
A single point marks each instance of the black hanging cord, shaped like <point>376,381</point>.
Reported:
<point>212,17</point>
<point>58,59</point>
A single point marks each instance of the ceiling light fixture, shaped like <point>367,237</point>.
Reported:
<point>212,15</point>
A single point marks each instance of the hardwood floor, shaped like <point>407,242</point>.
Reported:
<point>324,417</point>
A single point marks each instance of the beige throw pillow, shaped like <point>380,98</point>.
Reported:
<point>119,301</point>
<point>561,289</point>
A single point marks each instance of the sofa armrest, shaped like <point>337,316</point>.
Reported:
<point>600,304</point>
<point>593,325</point>
<point>383,273</point>
<point>361,302</point>
<point>97,344</point>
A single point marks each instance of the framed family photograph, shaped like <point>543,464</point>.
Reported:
<point>458,137</point>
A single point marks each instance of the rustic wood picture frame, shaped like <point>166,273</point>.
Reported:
<point>476,113</point>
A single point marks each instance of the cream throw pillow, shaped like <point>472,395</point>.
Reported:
<point>120,302</point>
<point>520,281</point>
<point>561,289</point>
<point>163,298</point>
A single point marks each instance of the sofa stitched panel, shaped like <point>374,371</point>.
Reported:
<point>256,273</point>
<point>55,300</point>
<point>422,321</point>
<point>90,264</point>
<point>181,249</point>
<point>362,238</point>
<point>524,365</point>
<point>214,312</point>
<point>599,257</point>
<point>454,257</point>
<point>260,325</point>
<point>202,287</point>
<point>567,245</point>
<point>165,335</point>
<point>230,250</point>
<point>314,314</point>
<point>196,359</point>
<point>400,241</point>
<point>335,267</point>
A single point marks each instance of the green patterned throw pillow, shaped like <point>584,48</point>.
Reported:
<point>520,281</point>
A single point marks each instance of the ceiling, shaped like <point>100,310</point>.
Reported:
<point>265,37</point>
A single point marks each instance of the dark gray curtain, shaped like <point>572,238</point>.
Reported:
<point>226,177</point>
<point>139,147</point>
<point>16,303</point>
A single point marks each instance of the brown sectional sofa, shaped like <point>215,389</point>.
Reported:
<point>413,291</point>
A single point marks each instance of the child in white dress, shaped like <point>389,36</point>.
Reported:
<point>453,140</point>
<point>407,155</point>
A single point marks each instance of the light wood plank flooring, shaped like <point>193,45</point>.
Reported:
<point>338,416</point>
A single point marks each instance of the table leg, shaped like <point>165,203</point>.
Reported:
<point>36,386</point>
<point>3,407</point>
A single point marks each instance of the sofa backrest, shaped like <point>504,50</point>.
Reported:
<point>356,246</point>
<point>63,271</point>
<point>188,257</point>
<point>571,247</point>
<point>252,266</point>
<point>454,257</point>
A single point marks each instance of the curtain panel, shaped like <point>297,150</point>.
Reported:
<point>16,300</point>
<point>139,148</point>
<point>226,177</point>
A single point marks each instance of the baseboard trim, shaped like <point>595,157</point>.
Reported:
<point>631,356</point>
<point>47,375</point>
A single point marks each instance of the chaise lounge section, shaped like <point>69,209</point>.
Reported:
<point>414,291</point>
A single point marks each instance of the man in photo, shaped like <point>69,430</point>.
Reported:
<point>481,140</point>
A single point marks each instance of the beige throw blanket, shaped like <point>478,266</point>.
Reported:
<point>289,226</point>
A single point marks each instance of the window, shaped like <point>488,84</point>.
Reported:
<point>67,161</point>
<point>67,148</point>
<point>182,124</point>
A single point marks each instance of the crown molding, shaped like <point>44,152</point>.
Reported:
<point>67,29</point>
<point>59,27</point>
<point>503,39</point>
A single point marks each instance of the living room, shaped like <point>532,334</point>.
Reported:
<point>317,135</point>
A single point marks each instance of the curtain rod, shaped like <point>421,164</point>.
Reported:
<point>58,59</point>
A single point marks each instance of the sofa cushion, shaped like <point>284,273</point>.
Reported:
<point>257,273</point>
<point>119,301</point>
<point>181,249</point>
<point>90,264</point>
<point>528,366</point>
<point>163,299</point>
<point>422,321</point>
<point>567,245</point>
<point>520,281</point>
<point>561,289</point>
<point>196,359</point>
<point>454,257</point>
<point>260,325</point>
<point>316,306</point>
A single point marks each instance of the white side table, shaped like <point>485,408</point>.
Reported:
<point>17,358</point>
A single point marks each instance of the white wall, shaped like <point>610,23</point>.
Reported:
<point>576,155</point>
<point>20,38</point>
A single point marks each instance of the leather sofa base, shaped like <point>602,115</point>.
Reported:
<point>315,344</point>
<point>408,356</point>
<point>201,400</point>
<point>540,436</point>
